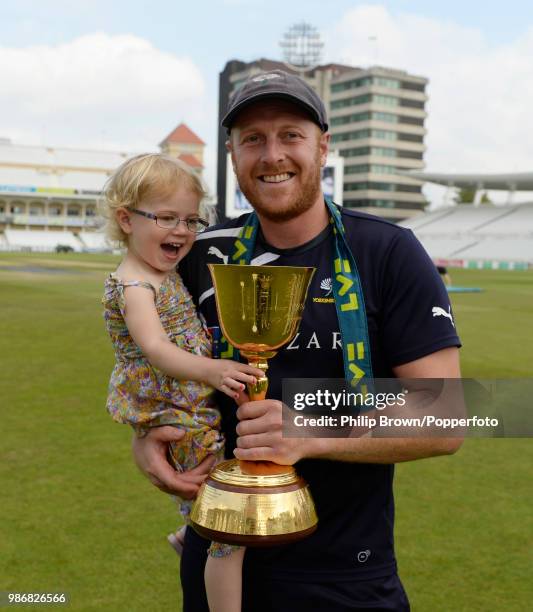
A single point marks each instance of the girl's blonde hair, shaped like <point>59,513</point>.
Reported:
<point>150,175</point>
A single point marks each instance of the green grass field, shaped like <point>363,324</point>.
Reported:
<point>76,516</point>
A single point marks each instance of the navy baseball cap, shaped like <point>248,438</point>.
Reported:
<point>277,84</point>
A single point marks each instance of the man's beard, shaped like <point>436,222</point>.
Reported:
<point>301,203</point>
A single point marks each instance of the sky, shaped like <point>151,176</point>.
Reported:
<point>121,75</point>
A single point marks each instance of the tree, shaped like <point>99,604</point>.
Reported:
<point>465,195</point>
<point>485,199</point>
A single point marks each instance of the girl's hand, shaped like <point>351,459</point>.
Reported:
<point>229,376</point>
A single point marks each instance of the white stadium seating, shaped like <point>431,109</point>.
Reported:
<point>464,219</point>
<point>41,240</point>
<point>94,241</point>
<point>451,246</point>
<point>482,233</point>
<point>48,241</point>
<point>426,219</point>
<point>518,221</point>
<point>497,249</point>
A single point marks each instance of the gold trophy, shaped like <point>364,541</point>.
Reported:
<point>256,503</point>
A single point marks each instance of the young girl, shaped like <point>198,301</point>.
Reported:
<point>163,373</point>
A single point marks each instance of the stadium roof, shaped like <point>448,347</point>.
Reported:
<point>31,156</point>
<point>183,135</point>
<point>34,170</point>
<point>521,181</point>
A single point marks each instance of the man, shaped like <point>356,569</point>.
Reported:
<point>278,139</point>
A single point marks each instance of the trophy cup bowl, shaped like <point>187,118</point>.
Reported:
<point>256,503</point>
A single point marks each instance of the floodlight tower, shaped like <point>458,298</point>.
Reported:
<point>302,47</point>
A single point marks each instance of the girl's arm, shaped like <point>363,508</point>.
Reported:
<point>145,328</point>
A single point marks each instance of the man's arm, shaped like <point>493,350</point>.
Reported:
<point>151,456</point>
<point>260,428</point>
<point>260,437</point>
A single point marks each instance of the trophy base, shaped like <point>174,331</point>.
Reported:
<point>254,504</point>
<point>252,540</point>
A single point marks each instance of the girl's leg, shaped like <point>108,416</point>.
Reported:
<point>176,540</point>
<point>223,581</point>
<point>177,456</point>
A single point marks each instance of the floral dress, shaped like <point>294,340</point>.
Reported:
<point>143,396</point>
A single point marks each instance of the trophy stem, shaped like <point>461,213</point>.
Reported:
<point>258,390</point>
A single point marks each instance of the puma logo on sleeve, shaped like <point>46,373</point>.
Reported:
<point>217,253</point>
<point>440,312</point>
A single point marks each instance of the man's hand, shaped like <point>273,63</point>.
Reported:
<point>150,455</point>
<point>260,434</point>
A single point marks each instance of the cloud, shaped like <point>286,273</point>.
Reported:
<point>480,93</point>
<point>97,89</point>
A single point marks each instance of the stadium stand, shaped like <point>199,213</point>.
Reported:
<point>449,245</point>
<point>467,235</point>
<point>94,241</point>
<point>517,222</point>
<point>466,219</point>
<point>49,195</point>
<point>425,219</point>
<point>68,179</point>
<point>44,241</point>
<point>56,169</point>
<point>517,249</point>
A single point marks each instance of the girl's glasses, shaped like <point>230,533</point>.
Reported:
<point>195,225</point>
